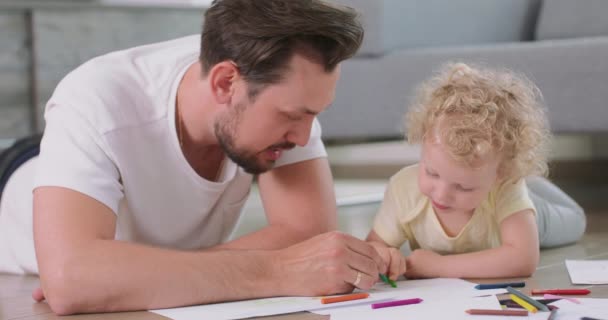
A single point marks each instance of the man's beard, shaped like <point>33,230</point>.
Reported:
<point>225,132</point>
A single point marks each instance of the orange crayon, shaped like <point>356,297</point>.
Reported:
<point>348,297</point>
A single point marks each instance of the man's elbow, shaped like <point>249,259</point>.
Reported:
<point>62,292</point>
<point>62,307</point>
<point>60,299</point>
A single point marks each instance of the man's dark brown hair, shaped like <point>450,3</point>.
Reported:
<point>260,36</point>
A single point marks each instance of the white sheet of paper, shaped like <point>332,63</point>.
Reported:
<point>427,289</point>
<point>588,271</point>
<point>452,308</point>
<point>252,308</point>
<point>589,307</point>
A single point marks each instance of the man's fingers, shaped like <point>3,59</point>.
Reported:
<point>360,280</point>
<point>362,263</point>
<point>38,295</point>
<point>384,254</point>
<point>365,249</point>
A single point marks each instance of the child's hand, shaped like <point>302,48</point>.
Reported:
<point>393,258</point>
<point>422,264</point>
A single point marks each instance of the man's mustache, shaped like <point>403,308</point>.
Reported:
<point>283,145</point>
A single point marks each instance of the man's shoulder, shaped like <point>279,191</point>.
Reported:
<point>145,64</point>
<point>126,87</point>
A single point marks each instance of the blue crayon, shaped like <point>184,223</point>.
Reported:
<point>500,285</point>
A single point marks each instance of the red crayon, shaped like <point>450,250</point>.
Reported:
<point>561,291</point>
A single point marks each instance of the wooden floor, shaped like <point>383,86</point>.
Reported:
<point>16,302</point>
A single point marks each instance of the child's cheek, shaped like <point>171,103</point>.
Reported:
<point>425,186</point>
<point>474,200</point>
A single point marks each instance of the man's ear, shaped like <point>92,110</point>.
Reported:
<point>222,79</point>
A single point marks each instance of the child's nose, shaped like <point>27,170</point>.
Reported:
<point>442,194</point>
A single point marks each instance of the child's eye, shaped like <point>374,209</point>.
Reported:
<point>432,174</point>
<point>463,189</point>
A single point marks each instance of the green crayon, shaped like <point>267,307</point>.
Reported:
<point>386,280</point>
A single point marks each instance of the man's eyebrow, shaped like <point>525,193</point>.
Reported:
<point>311,112</point>
<point>308,111</point>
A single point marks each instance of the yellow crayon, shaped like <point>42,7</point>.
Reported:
<point>523,303</point>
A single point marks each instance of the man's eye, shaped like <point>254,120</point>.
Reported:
<point>293,117</point>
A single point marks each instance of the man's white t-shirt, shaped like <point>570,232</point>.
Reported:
<point>110,134</point>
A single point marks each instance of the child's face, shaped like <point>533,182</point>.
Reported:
<point>452,186</point>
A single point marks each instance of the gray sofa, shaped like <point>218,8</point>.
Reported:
<point>562,45</point>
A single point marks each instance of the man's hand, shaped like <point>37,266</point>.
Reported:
<point>393,258</point>
<point>329,263</point>
<point>423,264</point>
<point>38,295</point>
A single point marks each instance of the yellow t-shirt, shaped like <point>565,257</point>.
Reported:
<point>407,214</point>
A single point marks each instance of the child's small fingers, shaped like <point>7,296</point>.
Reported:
<point>395,267</point>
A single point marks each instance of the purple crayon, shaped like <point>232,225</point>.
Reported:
<point>395,303</point>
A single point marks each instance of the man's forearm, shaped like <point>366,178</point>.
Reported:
<point>123,276</point>
<point>269,238</point>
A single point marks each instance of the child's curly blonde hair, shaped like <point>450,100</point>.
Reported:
<point>483,111</point>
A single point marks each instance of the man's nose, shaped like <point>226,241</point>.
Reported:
<point>300,134</point>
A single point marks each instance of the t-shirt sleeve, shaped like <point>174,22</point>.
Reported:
<point>73,155</point>
<point>313,149</point>
<point>512,197</point>
<point>387,223</point>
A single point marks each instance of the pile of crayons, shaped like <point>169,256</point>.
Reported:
<point>517,299</point>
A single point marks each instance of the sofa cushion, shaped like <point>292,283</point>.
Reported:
<point>373,94</point>
<point>398,24</point>
<point>572,19</point>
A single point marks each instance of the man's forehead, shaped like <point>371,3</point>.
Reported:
<point>298,98</point>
